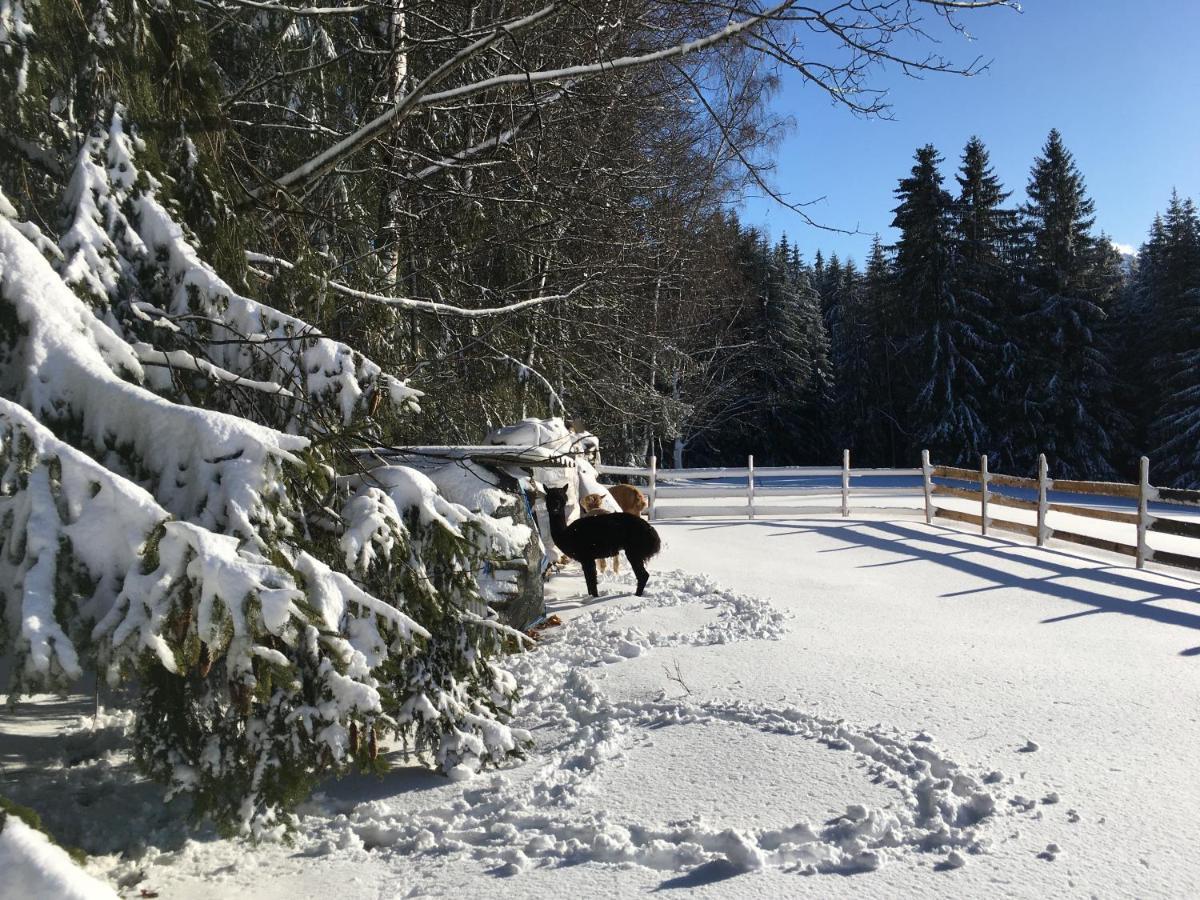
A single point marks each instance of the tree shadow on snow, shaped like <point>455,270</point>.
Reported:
<point>1065,576</point>
<point>349,790</point>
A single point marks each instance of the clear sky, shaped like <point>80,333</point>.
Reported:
<point>1119,78</point>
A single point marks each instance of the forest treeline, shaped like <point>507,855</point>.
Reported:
<point>992,326</point>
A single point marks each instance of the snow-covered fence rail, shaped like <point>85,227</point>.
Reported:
<point>745,488</point>
<point>1139,516</point>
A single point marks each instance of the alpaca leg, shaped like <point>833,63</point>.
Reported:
<point>616,565</point>
<point>639,569</point>
<point>601,563</point>
<point>589,575</point>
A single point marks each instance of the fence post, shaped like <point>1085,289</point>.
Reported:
<point>1043,532</point>
<point>927,478</point>
<point>1143,513</point>
<point>845,483</point>
<point>750,484</point>
<point>653,483</point>
<point>983,494</point>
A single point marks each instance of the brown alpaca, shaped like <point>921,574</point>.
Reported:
<point>593,505</point>
<point>629,498</point>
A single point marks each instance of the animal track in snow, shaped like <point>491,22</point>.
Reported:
<point>550,811</point>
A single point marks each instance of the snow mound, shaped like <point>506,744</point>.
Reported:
<point>34,867</point>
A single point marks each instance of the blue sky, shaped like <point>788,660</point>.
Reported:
<point>1118,78</point>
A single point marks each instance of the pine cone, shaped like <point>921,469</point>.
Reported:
<point>354,739</point>
<point>373,745</point>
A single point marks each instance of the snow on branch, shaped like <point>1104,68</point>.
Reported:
<point>90,556</point>
<point>262,6</point>
<point>127,254</point>
<point>252,340</point>
<point>182,359</point>
<point>71,370</point>
<point>430,306</point>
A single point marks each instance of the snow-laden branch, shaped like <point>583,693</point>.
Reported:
<point>182,359</point>
<point>120,219</point>
<point>351,144</point>
<point>66,512</point>
<point>68,367</point>
<point>263,6</point>
<point>429,306</point>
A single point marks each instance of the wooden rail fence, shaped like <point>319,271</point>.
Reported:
<point>1143,493</point>
<point>748,499</point>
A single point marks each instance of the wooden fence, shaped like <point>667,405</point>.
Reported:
<point>1143,521</point>
<point>681,484</point>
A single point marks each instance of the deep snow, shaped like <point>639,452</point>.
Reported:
<point>932,712</point>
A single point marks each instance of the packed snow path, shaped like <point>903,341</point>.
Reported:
<point>928,712</point>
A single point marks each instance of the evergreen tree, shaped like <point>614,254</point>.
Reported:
<point>1065,406</point>
<point>1171,281</point>
<point>943,335</point>
<point>984,233</point>
<point>180,510</point>
<point>882,434</point>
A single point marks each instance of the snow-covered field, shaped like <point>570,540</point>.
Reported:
<point>819,706</point>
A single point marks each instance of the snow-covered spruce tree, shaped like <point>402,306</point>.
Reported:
<point>1170,279</point>
<point>1066,411</point>
<point>945,327</point>
<point>793,355</point>
<point>984,231</point>
<point>172,513</point>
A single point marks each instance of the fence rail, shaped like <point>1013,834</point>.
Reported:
<point>679,484</point>
<point>1143,520</point>
<point>973,485</point>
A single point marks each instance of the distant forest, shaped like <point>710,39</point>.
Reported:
<point>990,326</point>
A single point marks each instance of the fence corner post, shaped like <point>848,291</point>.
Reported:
<point>983,494</point>
<point>750,484</point>
<point>1143,512</point>
<point>927,479</point>
<point>845,483</point>
<point>653,484</point>
<point>1043,505</point>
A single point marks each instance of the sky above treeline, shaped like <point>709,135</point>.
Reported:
<point>1118,78</point>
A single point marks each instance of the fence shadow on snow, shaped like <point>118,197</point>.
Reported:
<point>972,556</point>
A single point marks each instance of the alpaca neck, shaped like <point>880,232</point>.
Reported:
<point>558,525</point>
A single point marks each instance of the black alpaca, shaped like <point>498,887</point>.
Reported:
<point>598,537</point>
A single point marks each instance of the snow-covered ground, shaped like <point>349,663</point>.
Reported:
<point>819,706</point>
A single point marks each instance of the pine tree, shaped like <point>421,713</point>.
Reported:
<point>984,233</point>
<point>1065,410</point>
<point>1171,280</point>
<point>944,336</point>
<point>180,511</point>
